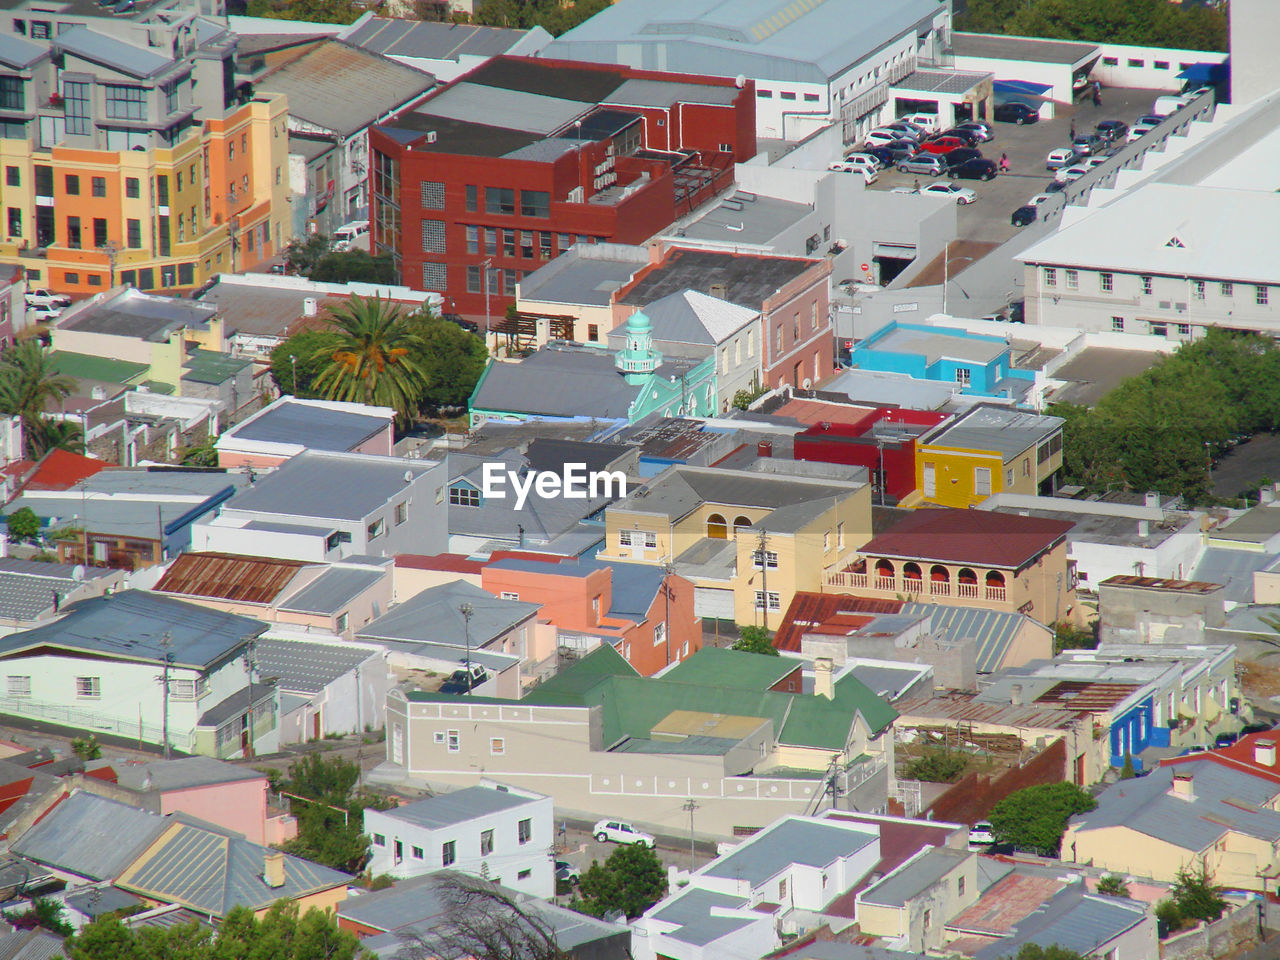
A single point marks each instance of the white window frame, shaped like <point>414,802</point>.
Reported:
<point>497,746</point>
<point>88,688</point>
<point>775,600</point>
<point>453,740</point>
<point>18,685</point>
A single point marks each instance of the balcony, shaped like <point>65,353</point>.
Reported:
<point>965,586</point>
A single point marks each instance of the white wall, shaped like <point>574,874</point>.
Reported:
<point>1139,66</point>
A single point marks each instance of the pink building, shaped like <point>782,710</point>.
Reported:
<point>290,425</point>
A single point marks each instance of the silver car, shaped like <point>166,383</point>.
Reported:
<point>927,163</point>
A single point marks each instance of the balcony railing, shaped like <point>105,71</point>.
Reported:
<point>996,593</point>
<point>968,591</point>
<point>913,586</point>
<point>847,580</point>
<point>886,583</point>
<point>940,588</point>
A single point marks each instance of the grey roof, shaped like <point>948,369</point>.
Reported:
<point>90,836</point>
<point>886,681</point>
<point>996,47</point>
<point>95,901</point>
<point>995,428</point>
<point>30,945</point>
<point>635,585</point>
<point>689,746</point>
<point>235,705</point>
<point>161,483</point>
<point>692,317</point>
<point>691,911</point>
<point>587,274</point>
<point>794,840</point>
<point>132,625</point>
<point>309,425</point>
<point>1232,568</point>
<point>180,774</point>
<point>1224,799</point>
<point>306,667</point>
<point>759,220</point>
<point>28,588</point>
<point>429,40</point>
<point>935,345</point>
<point>941,81</point>
<point>19,53</point>
<point>558,382</point>
<point>298,529</point>
<point>767,39</point>
<point>682,489</point>
<point>132,313</point>
<point>992,631</point>
<point>343,88</point>
<point>748,280</point>
<point>461,806</point>
<point>660,93</point>
<point>543,151</point>
<point>433,616</point>
<point>329,486</point>
<point>110,52</point>
<point>500,107</point>
<point>165,917</point>
<point>1073,920</point>
<point>914,877</point>
<point>836,950</point>
<point>129,518</point>
<point>334,589</point>
<point>892,389</point>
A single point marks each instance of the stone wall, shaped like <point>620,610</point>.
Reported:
<point>971,798</point>
<point>1236,931</point>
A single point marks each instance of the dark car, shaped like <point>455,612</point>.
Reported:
<point>1055,186</point>
<point>462,682</point>
<point>979,128</point>
<point>468,325</point>
<point>1018,113</point>
<point>1024,215</point>
<point>883,154</point>
<point>1257,727</point>
<point>968,136</point>
<point>963,155</point>
<point>977,168</point>
<point>902,149</point>
<point>1225,740</point>
<point>1088,144</point>
<point>1113,131</point>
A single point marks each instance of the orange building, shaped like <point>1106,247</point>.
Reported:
<point>645,614</point>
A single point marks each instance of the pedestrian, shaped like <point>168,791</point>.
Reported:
<point>1004,163</point>
<point>917,184</point>
<point>1073,131</point>
<point>1097,94</point>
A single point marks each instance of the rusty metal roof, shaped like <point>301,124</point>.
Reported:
<point>1160,583</point>
<point>1087,695</point>
<point>961,707</point>
<point>228,576</point>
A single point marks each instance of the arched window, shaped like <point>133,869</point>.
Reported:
<point>884,569</point>
<point>967,576</point>
<point>995,578</point>
<point>717,529</point>
<point>740,524</point>
<point>939,574</point>
<point>911,571</point>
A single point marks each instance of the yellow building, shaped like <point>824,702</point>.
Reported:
<point>988,450</point>
<point>748,541</point>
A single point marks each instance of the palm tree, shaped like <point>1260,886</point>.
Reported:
<point>374,360</point>
<point>50,434</point>
<point>28,386</point>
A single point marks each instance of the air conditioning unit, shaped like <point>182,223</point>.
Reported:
<point>431,136</point>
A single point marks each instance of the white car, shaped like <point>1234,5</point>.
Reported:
<point>981,833</point>
<point>946,188</point>
<point>881,138</point>
<point>1062,157</point>
<point>1073,172</point>
<point>43,298</point>
<point>1140,130</point>
<point>618,831</point>
<point>869,175</point>
<point>42,314</point>
<point>925,121</point>
<point>864,160</point>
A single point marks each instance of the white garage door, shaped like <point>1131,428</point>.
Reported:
<point>710,602</point>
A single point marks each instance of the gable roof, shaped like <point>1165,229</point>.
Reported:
<point>690,316</point>
<point>229,576</point>
<point>723,667</point>
<point>61,470</point>
<point>1072,919</point>
<point>300,666</point>
<point>969,536</point>
<point>430,40</point>
<point>89,836</point>
<point>434,616</point>
<point>749,279</point>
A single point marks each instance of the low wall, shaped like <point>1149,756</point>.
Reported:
<point>972,797</point>
<point>1238,930</point>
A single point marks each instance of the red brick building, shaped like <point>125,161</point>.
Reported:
<point>514,162</point>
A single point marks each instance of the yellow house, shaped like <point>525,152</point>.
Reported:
<point>748,541</point>
<point>1208,812</point>
<point>988,450</point>
<point>213,872</point>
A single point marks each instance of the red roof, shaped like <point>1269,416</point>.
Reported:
<point>980,537</point>
<point>816,411</point>
<point>452,562</point>
<point>61,470</point>
<point>836,613</point>
<point>1242,756</point>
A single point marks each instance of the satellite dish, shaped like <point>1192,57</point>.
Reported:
<point>408,476</point>
<point>739,81</point>
<point>77,572</point>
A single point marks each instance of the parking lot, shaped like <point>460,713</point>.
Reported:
<point>987,219</point>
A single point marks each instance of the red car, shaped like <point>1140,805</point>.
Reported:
<point>943,145</point>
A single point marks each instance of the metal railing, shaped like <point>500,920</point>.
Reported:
<point>93,722</point>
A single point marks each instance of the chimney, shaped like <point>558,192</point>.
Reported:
<point>1264,753</point>
<point>764,448</point>
<point>273,869</point>
<point>1152,499</point>
<point>1182,787</point>
<point>1015,695</point>
<point>720,290</point>
<point>1267,495</point>
<point>823,678</point>
<point>1144,528</point>
<point>310,307</point>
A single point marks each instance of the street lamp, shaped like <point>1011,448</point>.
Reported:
<point>946,274</point>
<point>467,612</point>
<point>485,266</point>
<point>293,362</point>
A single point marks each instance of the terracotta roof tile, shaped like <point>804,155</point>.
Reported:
<point>978,537</point>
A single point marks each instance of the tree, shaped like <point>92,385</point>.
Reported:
<point>1033,951</point>
<point>1194,898</point>
<point>630,881</point>
<point>1155,23</point>
<point>29,385</point>
<point>281,934</point>
<point>86,748</point>
<point>203,454</point>
<point>1067,636</point>
<point>306,353</point>
<point>753,639</point>
<point>1036,817</point>
<point>313,11</point>
<point>451,359</point>
<point>23,524</point>
<point>43,913</point>
<point>354,266</point>
<point>1113,885</point>
<point>937,765</point>
<point>480,921</point>
<point>374,360</point>
<point>54,435</point>
<point>330,813</point>
<point>303,254</point>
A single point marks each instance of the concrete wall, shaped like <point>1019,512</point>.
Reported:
<point>1228,936</point>
<point>240,805</point>
<point>1141,615</point>
<point>1147,68</point>
<point>1254,25</point>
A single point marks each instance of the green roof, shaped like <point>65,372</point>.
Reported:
<point>568,687</point>
<point>209,366</point>
<point>157,386</point>
<point>84,366</point>
<point>721,667</point>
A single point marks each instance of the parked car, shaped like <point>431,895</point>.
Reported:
<point>462,681</point>
<point>926,163</point>
<point>881,138</point>
<point>968,136</point>
<point>883,154</point>
<point>928,122</point>
<point>869,173</point>
<point>980,128</point>
<point>943,145</point>
<point>1073,172</point>
<point>1087,144</point>
<point>1092,162</point>
<point>1018,113</point>
<point>864,160</point>
<point>1062,157</point>
<point>1149,118</point>
<point>345,237</point>
<point>909,130</point>
<point>567,873</point>
<point>977,168</point>
<point>43,298</point>
<point>43,314</point>
<point>617,831</point>
<point>963,155</point>
<point>982,833</point>
<point>1030,212</point>
<point>1141,129</point>
<point>945,188</point>
<point>1225,740</point>
<point>1113,131</point>
<point>901,149</point>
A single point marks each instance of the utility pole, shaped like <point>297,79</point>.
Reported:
<point>666,592</point>
<point>764,576</point>
<point>293,362</point>
<point>467,612</point>
<point>166,642</point>
<point>485,267</point>
<point>250,662</point>
<point>691,806</point>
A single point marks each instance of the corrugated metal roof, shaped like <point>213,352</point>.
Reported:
<point>89,836</point>
<point>434,616</point>
<point>914,877</point>
<point>1072,920</point>
<point>181,773</point>
<point>719,666</point>
<point>30,945</point>
<point>1006,431</point>
<point>428,40</point>
<point>814,843</point>
<point>229,576</point>
<point>965,708</point>
<point>333,590</point>
<point>976,537</point>
<point>307,667</point>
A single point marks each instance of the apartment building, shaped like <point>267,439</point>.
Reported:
<point>130,155</point>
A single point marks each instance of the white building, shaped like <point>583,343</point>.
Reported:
<point>493,831</point>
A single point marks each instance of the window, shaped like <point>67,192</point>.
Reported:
<point>1161,64</point>
<point>1146,285</point>
<point>960,886</point>
<point>12,177</point>
<point>500,200</point>
<point>134,234</point>
<point>433,236</point>
<point>810,98</point>
<point>472,204</point>
<point>524,831</point>
<point>18,686</point>
<point>775,602</point>
<point>1026,466</point>
<point>497,746</point>
<point>73,232</point>
<point>402,513</point>
<point>486,842</point>
<point>99,185</point>
<point>982,481</point>
<point>128,103</point>
<point>15,221</point>
<point>434,275</point>
<point>448,853</point>
<point>75,106</point>
<point>182,689</point>
<point>453,741</point>
<point>659,634</point>
<point>231,154</point>
<point>963,376</point>
<point>1184,329</point>
<point>624,538</point>
<point>782,889</point>
<point>1197,289</point>
<point>416,853</point>
<point>99,232</point>
<point>1227,289</point>
<point>524,874</point>
<point>473,239</point>
<point>379,840</point>
<point>70,278</point>
<point>88,688</point>
<point>764,94</point>
<point>344,621</point>
<point>535,203</point>
<point>1260,295</point>
<point>132,188</point>
<point>474,284</point>
<point>770,560</point>
<point>1134,62</point>
<point>374,530</point>
<point>1117,324</point>
<point>1110,61</point>
<point>840,535</point>
<point>73,184</point>
<point>1050,277</point>
<point>464,495</point>
<point>593,332</point>
<point>1073,279</point>
<point>1106,282</point>
<point>11,94</point>
<point>510,595</point>
<point>787,95</point>
<point>432,194</point>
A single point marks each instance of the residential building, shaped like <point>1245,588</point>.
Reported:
<point>32,592</point>
<point>657,739</point>
<point>973,559</point>
<point>986,451</point>
<point>327,687</point>
<point>593,153</point>
<point>291,425</point>
<point>137,117</point>
<point>94,668</point>
<point>132,421</point>
<point>323,505</point>
<point>807,70</point>
<point>88,838</point>
<point>909,905</point>
<point>791,294</point>
<point>336,92</point>
<point>1186,815</point>
<point>498,833</point>
<point>1156,610</point>
<point>443,49</point>
<point>747,540</point>
<point>644,612</point>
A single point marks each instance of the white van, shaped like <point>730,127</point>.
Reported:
<point>927,120</point>
<point>1167,105</point>
<point>345,237</point>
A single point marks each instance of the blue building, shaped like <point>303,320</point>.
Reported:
<point>975,365</point>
